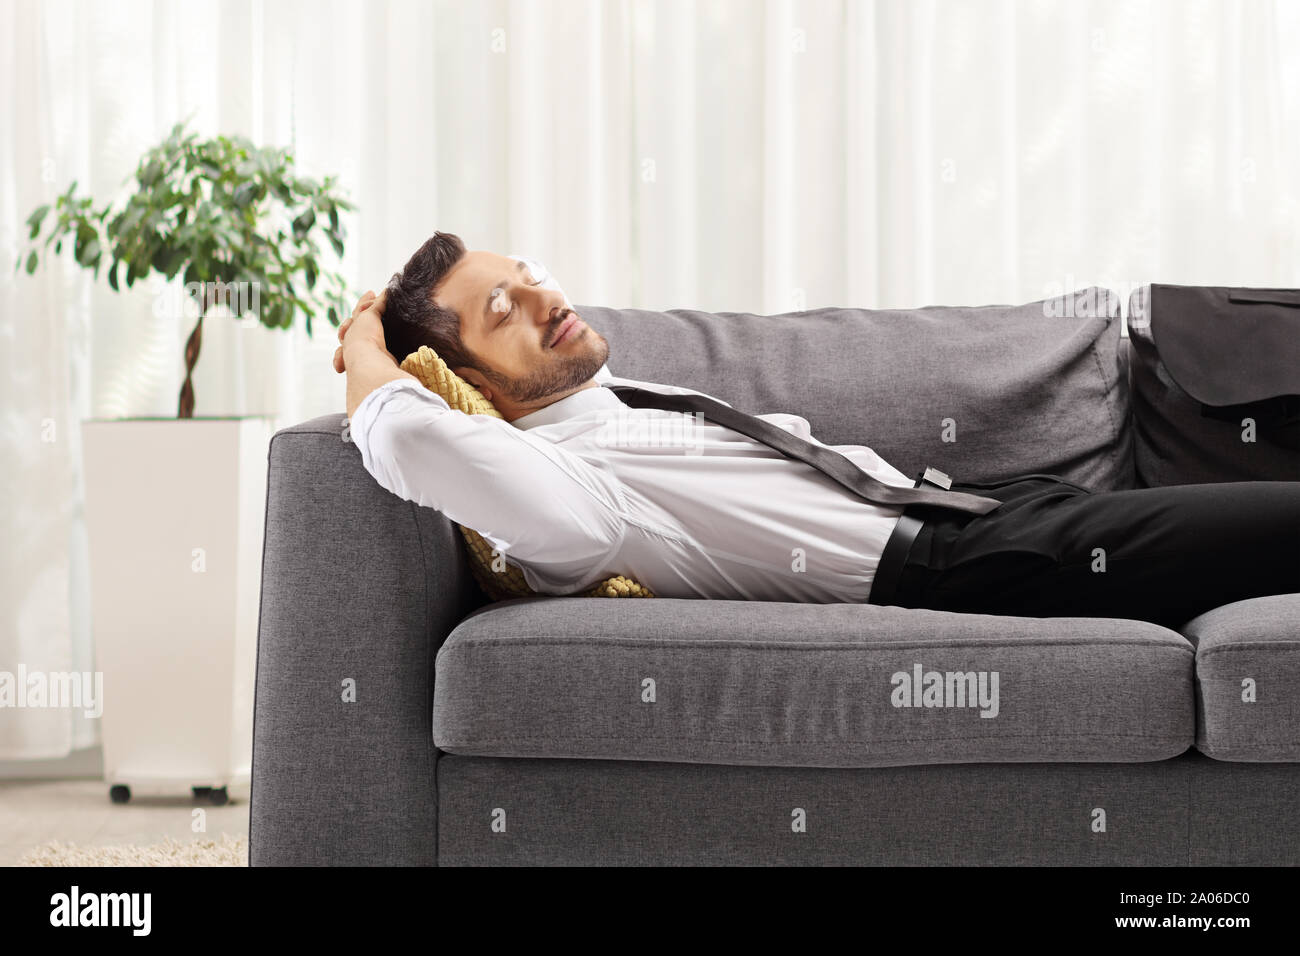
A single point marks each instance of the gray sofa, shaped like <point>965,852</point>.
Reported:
<point>401,718</point>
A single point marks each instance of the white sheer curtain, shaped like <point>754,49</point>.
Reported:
<point>737,155</point>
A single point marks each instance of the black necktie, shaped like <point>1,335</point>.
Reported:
<point>826,460</point>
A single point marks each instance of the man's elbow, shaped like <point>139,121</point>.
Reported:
<point>388,452</point>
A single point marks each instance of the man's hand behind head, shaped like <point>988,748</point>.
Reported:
<point>363,329</point>
<point>363,354</point>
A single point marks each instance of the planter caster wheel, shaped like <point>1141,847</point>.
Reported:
<point>219,797</point>
<point>119,793</point>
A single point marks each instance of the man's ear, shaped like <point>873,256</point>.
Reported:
<point>475,378</point>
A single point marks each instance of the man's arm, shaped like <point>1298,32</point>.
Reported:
<point>526,496</point>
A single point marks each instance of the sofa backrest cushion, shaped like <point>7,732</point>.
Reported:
<point>982,393</point>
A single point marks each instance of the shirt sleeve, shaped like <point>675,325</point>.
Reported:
<point>529,498</point>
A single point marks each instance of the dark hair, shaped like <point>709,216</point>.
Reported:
<point>412,319</point>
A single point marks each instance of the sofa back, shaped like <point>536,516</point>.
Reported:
<point>982,393</point>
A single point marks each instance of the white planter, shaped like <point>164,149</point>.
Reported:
<point>174,515</point>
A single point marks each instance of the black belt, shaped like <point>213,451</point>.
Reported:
<point>899,545</point>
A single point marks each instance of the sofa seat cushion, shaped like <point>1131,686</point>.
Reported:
<point>1248,679</point>
<point>823,685</point>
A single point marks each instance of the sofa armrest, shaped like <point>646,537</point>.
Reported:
<point>359,590</point>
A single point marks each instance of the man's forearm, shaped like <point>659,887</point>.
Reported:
<point>368,367</point>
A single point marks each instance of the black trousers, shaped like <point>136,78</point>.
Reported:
<point>1056,549</point>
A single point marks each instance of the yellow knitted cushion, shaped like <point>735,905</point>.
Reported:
<point>496,576</point>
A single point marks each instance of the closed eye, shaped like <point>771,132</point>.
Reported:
<point>513,304</point>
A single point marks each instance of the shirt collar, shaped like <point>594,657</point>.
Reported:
<point>579,403</point>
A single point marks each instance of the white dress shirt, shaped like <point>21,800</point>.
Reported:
<point>587,488</point>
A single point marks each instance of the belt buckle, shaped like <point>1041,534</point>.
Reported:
<point>935,478</point>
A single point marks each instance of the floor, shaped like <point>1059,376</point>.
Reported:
<point>79,811</point>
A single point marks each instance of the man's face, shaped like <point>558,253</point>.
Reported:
<point>534,343</point>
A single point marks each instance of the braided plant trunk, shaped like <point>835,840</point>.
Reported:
<point>192,345</point>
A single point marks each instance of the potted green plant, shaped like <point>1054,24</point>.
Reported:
<point>174,506</point>
<point>232,219</point>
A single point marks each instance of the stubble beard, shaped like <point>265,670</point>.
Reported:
<point>564,373</point>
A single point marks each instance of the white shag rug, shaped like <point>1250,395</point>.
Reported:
<point>231,851</point>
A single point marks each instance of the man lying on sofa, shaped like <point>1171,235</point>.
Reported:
<point>559,487</point>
